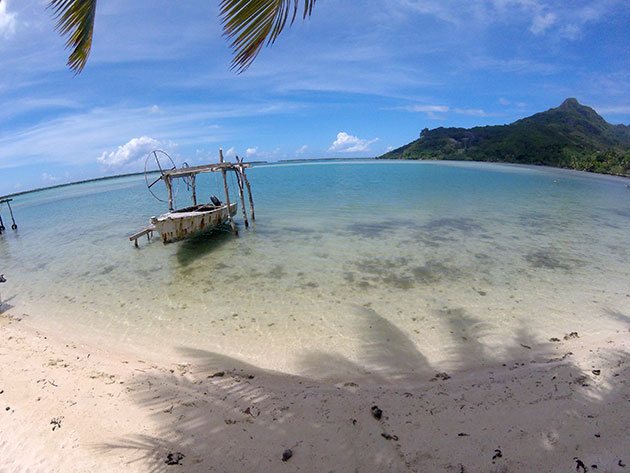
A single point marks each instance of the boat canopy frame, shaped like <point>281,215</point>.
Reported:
<point>189,174</point>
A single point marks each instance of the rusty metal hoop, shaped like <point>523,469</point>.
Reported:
<point>164,163</point>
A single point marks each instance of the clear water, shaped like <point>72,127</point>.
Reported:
<point>427,264</point>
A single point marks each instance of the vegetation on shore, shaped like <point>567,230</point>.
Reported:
<point>570,136</point>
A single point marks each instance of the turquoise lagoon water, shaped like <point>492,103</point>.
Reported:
<point>351,268</point>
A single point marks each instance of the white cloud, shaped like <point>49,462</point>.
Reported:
<point>301,150</point>
<point>504,101</point>
<point>346,143</point>
<point>474,112</point>
<point>542,22</point>
<point>249,152</point>
<point>129,153</point>
<point>154,109</point>
<point>613,109</point>
<point>428,108</point>
<point>230,153</point>
<point>48,177</point>
<point>7,21</point>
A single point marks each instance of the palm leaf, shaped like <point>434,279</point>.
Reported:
<point>75,19</point>
<point>251,24</point>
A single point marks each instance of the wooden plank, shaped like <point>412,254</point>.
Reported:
<point>142,232</point>
<point>191,171</point>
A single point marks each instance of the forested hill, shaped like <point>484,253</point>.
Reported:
<point>569,136</point>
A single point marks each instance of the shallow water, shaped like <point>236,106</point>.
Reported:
<point>352,269</point>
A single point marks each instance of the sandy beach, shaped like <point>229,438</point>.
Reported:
<point>68,407</point>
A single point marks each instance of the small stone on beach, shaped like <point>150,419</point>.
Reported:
<point>287,454</point>
<point>376,412</point>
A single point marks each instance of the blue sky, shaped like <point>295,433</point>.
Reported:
<point>356,79</point>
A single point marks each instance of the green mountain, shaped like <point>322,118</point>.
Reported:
<point>569,136</point>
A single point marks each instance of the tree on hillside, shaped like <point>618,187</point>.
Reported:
<point>249,24</point>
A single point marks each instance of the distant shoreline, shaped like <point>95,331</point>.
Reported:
<point>316,160</point>
<point>56,186</point>
<point>546,166</point>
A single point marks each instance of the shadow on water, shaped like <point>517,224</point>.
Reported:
<point>223,414</point>
<point>199,245</point>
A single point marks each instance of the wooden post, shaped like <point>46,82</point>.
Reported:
<point>194,189</point>
<point>169,189</point>
<point>249,190</point>
<point>227,194</point>
<point>239,180</point>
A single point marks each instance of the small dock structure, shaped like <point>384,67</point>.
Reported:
<point>14,225</point>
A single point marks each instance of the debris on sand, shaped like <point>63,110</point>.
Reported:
<point>571,335</point>
<point>56,422</point>
<point>174,458</point>
<point>287,454</point>
<point>443,376</point>
<point>376,412</point>
<point>579,464</point>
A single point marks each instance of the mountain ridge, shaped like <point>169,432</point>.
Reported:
<point>571,135</point>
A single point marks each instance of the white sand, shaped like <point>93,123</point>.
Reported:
<point>71,408</point>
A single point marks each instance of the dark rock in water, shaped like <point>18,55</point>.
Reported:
<point>174,458</point>
<point>288,453</point>
<point>376,412</point>
<point>571,335</point>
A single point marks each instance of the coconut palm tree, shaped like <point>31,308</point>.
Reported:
<point>249,24</point>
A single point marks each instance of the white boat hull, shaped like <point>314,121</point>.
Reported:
<point>184,223</point>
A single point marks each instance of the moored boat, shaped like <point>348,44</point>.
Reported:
<point>178,224</point>
<point>183,223</point>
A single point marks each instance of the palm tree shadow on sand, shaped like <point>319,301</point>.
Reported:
<point>222,414</point>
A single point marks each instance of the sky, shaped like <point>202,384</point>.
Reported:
<point>356,79</point>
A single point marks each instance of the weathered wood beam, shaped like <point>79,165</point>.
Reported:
<point>239,180</point>
<point>227,194</point>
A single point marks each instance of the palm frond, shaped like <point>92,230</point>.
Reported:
<point>75,19</point>
<point>251,24</point>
